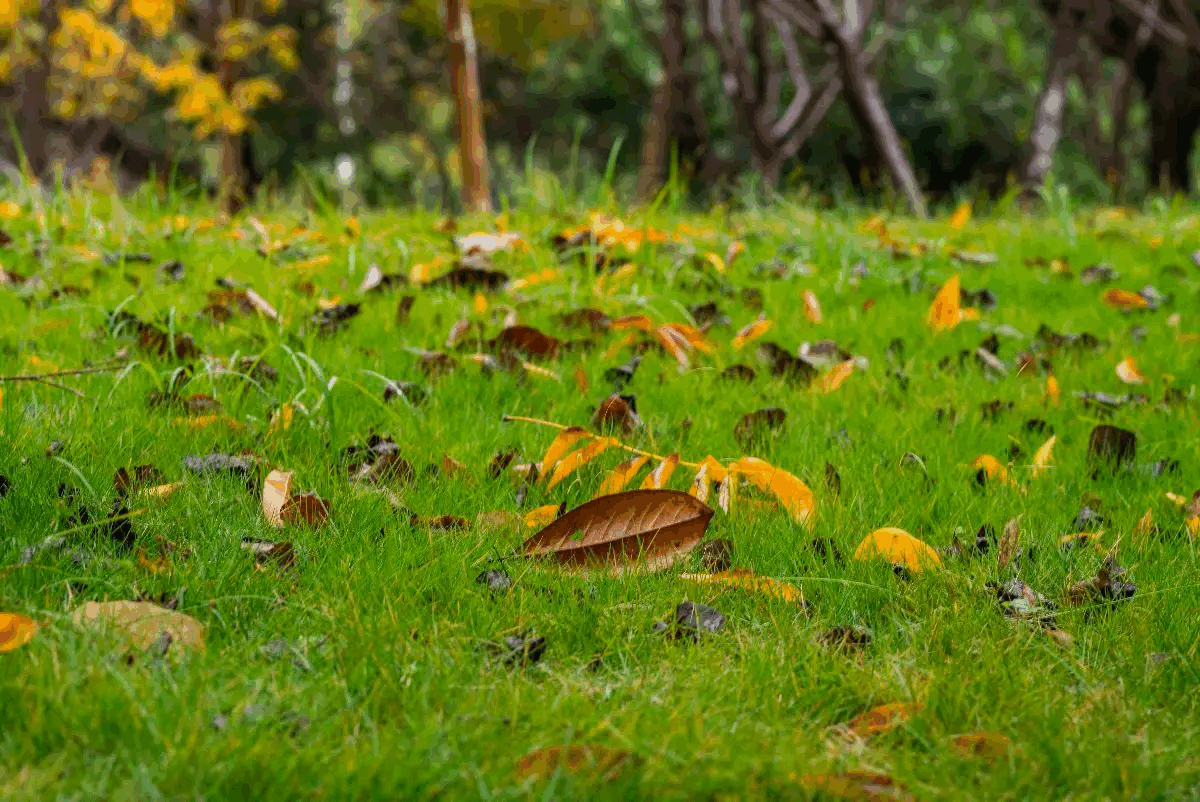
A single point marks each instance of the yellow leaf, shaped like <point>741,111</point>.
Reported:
<point>1124,299</point>
<point>1042,458</point>
<point>701,485</point>
<point>1127,371</point>
<point>1052,394</point>
<point>9,210</point>
<point>577,459</point>
<point>634,322</point>
<point>481,304</point>
<point>898,547</point>
<point>620,476</point>
<point>538,370</point>
<point>716,471</point>
<point>558,449</point>
<point>250,93</point>
<point>1193,526</point>
<point>35,364</point>
<point>694,337</point>
<point>674,343</point>
<point>944,312</point>
<point>541,517</point>
<point>992,468</point>
<point>156,14</point>
<point>752,332</point>
<point>281,420</point>
<point>277,491</point>
<point>834,378</point>
<point>961,216</point>
<point>659,477</point>
<point>812,307</point>
<point>15,631</point>
<point>883,718</point>
<point>747,580</point>
<point>716,261</point>
<point>1145,525</point>
<point>795,496</point>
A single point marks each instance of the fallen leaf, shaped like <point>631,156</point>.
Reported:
<point>795,496</point>
<point>141,624</point>
<point>753,427</point>
<point>1112,445</point>
<point>859,785</point>
<point>621,475</point>
<point>306,508</point>
<point>988,467</point>
<point>590,759</point>
<point>981,744</point>
<point>883,718</point>
<point>266,551</point>
<point>527,341</point>
<point>577,459</point>
<point>1052,394</point>
<point>834,378</point>
<point>1127,371</point>
<point>692,619</point>
<point>1041,458</point>
<point>812,307</point>
<point>701,485</point>
<point>660,526</point>
<point>661,474</point>
<point>581,380</point>
<point>944,312</point>
<point>738,373</point>
<point>617,411</point>
<point>746,579</point>
<point>277,491</point>
<point>752,332</point>
<point>15,631</point>
<point>1125,300</point>
<point>897,547</point>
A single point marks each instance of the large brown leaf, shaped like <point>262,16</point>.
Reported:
<point>659,526</point>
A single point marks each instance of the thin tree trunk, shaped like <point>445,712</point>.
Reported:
<point>1051,109</point>
<point>464,75</point>
<point>668,100</point>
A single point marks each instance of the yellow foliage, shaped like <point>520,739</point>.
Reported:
<point>250,93</point>
<point>157,15</point>
<point>200,98</point>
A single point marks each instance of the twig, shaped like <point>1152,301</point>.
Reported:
<point>58,386</point>
<point>37,377</point>
<point>617,443</point>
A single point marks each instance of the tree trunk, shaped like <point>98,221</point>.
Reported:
<point>464,75</point>
<point>670,100</point>
<point>1051,109</point>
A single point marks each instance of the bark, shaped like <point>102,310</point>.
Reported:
<point>669,100</point>
<point>1051,109</point>
<point>464,75</point>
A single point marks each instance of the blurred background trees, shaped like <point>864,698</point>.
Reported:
<point>924,100</point>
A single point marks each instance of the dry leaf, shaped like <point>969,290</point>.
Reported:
<point>577,459</point>
<point>746,579</point>
<point>277,491</point>
<point>1127,371</point>
<point>592,759</point>
<point>15,631</point>
<point>752,332</point>
<point>858,785</point>
<point>563,443</point>
<point>982,744</point>
<point>141,624</point>
<point>581,380</point>
<point>1042,458</point>
<point>795,496</point>
<point>897,547</point>
<point>1010,543</point>
<point>617,411</point>
<point>1052,394</point>
<point>988,467</point>
<point>660,526</point>
<point>1125,300</point>
<point>1145,525</point>
<point>883,718</point>
<point>306,508</point>
<point>661,473</point>
<point>834,378</point>
<point>812,307</point>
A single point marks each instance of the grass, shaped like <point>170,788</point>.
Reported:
<point>385,687</point>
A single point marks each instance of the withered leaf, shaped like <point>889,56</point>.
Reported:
<point>435,363</point>
<point>755,426</point>
<point>785,365</point>
<point>526,341</point>
<point>266,551</point>
<point>659,526</point>
<point>621,375</point>
<point>617,411</point>
<point>1010,543</point>
<point>851,638</point>
<point>1113,446</point>
<point>738,373</point>
<point>591,759</point>
<point>203,465</point>
<point>471,278</point>
<point>863,785</point>
<point>1107,585</point>
<point>588,318</point>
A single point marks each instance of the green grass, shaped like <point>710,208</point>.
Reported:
<point>388,690</point>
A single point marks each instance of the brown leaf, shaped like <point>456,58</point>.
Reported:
<point>526,341</point>
<point>141,624</point>
<point>858,785</point>
<point>591,759</point>
<point>617,411</point>
<point>755,426</point>
<point>1112,445</point>
<point>471,278</point>
<point>660,526</point>
<point>306,508</point>
<point>987,745</point>
<point>277,491</point>
<point>441,522</point>
<point>266,551</point>
<point>883,718</point>
<point>743,373</point>
<point>581,380</point>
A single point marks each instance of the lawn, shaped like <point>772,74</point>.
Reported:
<point>387,637</point>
